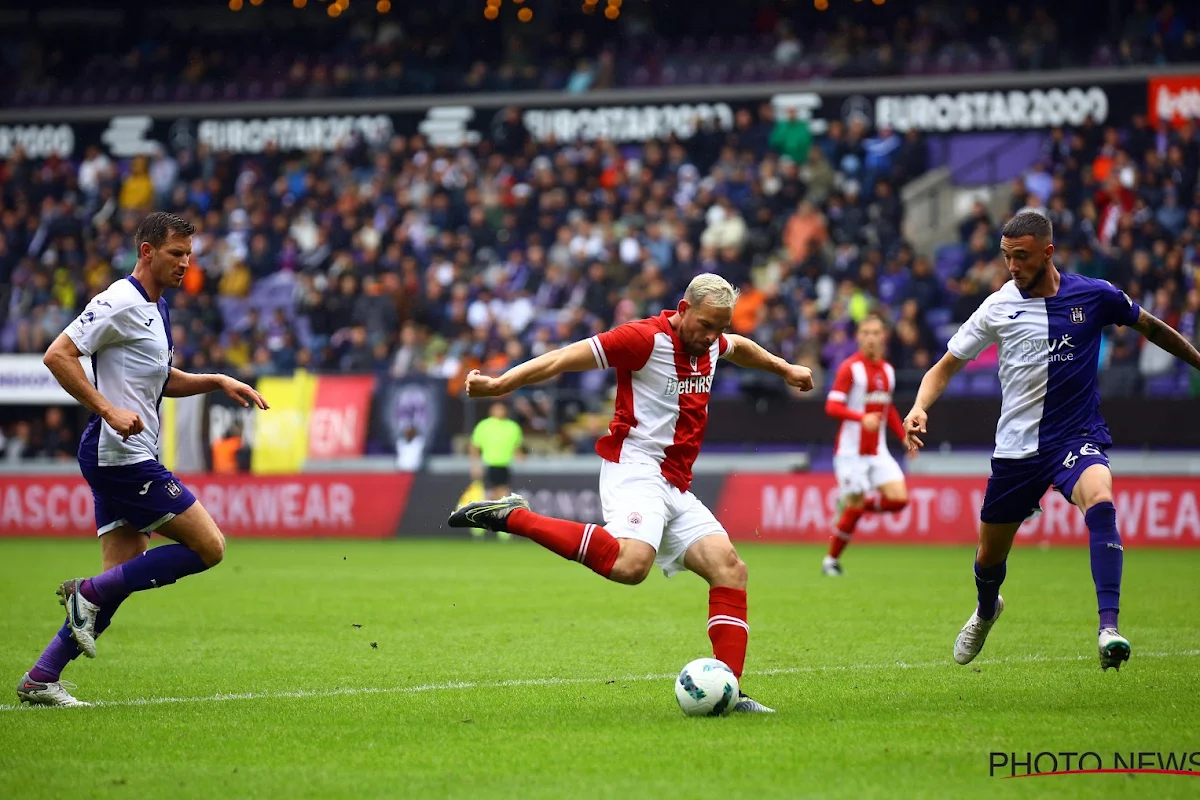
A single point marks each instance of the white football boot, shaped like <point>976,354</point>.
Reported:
<point>972,636</point>
<point>53,693</point>
<point>746,704</point>
<point>81,615</point>
<point>1114,649</point>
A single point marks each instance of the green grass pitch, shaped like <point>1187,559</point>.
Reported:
<point>488,669</point>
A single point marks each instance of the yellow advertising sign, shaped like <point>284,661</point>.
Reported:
<point>281,433</point>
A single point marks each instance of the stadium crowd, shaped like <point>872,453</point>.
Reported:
<point>407,259</point>
<point>443,48</point>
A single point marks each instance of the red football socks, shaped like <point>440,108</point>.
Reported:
<point>845,529</point>
<point>849,520</point>
<point>837,543</point>
<point>727,626</point>
<point>884,504</point>
<point>588,544</point>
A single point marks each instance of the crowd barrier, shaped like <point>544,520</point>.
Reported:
<point>1152,511</point>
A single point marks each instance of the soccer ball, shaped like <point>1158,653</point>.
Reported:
<point>706,687</point>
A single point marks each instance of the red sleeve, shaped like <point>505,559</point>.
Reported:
<point>626,346</point>
<point>724,346</point>
<point>843,382</point>
<point>835,403</point>
<point>839,410</point>
<point>896,424</point>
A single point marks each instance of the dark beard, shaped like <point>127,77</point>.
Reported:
<point>1038,277</point>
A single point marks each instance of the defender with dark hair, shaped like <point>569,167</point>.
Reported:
<point>126,332</point>
<point>160,226</point>
<point>1029,223</point>
<point>1048,326</point>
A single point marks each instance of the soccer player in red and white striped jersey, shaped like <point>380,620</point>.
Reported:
<point>861,397</point>
<point>665,367</point>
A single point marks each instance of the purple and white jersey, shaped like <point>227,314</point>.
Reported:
<point>1049,358</point>
<point>129,340</point>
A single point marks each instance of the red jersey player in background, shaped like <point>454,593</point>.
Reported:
<point>665,367</point>
<point>861,398</point>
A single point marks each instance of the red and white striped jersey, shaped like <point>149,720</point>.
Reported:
<point>662,396</point>
<point>860,387</point>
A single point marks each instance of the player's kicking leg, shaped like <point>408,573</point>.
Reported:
<point>1092,493</point>
<point>633,499</point>
<point>619,560</point>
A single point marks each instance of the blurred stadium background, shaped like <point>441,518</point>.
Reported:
<point>390,194</point>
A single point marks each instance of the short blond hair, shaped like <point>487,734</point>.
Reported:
<point>712,289</point>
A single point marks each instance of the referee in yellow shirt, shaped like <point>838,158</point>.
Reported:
<point>495,443</point>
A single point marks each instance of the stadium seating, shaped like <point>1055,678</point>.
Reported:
<point>464,271</point>
<point>714,44</point>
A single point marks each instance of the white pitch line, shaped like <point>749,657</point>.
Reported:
<point>439,687</point>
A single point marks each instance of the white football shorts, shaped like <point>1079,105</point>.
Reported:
<point>861,474</point>
<point>638,503</point>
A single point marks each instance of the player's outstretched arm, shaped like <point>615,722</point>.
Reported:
<point>750,354</point>
<point>1166,337</point>
<point>62,359</point>
<point>186,384</point>
<point>932,386</point>
<point>577,357</point>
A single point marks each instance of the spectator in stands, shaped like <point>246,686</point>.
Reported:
<point>59,442</point>
<point>137,190</point>
<point>229,452</point>
<point>805,229</point>
<point>792,137</point>
<point>19,444</point>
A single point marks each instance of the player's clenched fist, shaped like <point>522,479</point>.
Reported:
<point>914,423</point>
<point>799,377</point>
<point>480,385</point>
<point>125,422</point>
